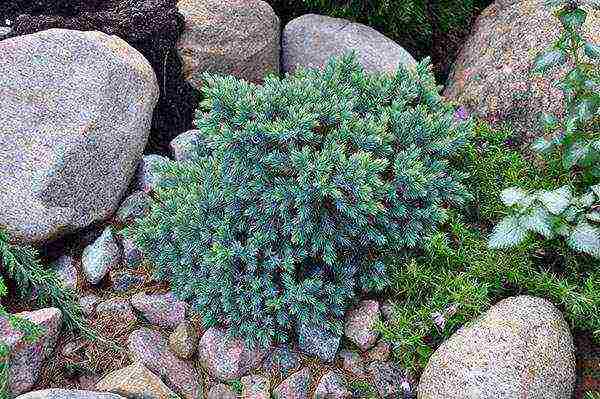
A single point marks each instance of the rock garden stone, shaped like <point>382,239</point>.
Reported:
<point>183,147</point>
<point>25,359</point>
<point>56,393</point>
<point>387,310</point>
<point>388,379</point>
<point>117,308</point>
<point>311,40</point>
<point>88,304</point>
<point>295,386</point>
<point>67,272</point>
<point>360,324</point>
<point>225,358</point>
<point>123,281</point>
<point>132,255</point>
<point>5,31</point>
<point>184,340</point>
<point>237,37</point>
<point>491,75</point>
<point>135,381</point>
<point>136,206</point>
<point>332,386</point>
<point>100,257</point>
<point>221,391</point>
<point>255,387</point>
<point>353,363</point>
<point>316,341</point>
<point>380,352</point>
<point>520,348</point>
<point>76,112</point>
<point>146,177</point>
<point>281,361</point>
<point>150,348</point>
<point>163,310</point>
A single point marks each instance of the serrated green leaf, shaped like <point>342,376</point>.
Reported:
<point>585,238</point>
<point>573,154</point>
<point>542,145</point>
<point>538,220</point>
<point>556,201</point>
<point>513,196</point>
<point>592,50</point>
<point>572,19</point>
<point>508,233</point>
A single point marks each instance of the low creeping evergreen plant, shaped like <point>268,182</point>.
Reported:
<point>300,185</point>
<point>562,212</point>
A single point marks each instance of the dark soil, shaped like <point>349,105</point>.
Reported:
<point>150,26</point>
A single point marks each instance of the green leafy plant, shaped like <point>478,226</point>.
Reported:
<point>561,212</point>
<point>299,187</point>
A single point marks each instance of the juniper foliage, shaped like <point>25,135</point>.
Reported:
<point>300,185</point>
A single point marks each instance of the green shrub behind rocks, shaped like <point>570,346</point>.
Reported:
<point>299,187</point>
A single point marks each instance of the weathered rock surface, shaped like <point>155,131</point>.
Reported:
<point>25,359</point>
<point>332,386</point>
<point>100,257</point>
<point>520,348</point>
<point>88,304</point>
<point>135,206</point>
<point>123,280</point>
<point>76,112</point>
<point>311,40</point>
<point>388,378</point>
<point>68,394</point>
<point>281,361</point>
<point>316,341</point>
<point>163,310</point>
<point>491,75</point>
<point>221,391</point>
<point>353,364</point>
<point>135,381</point>
<point>295,386</point>
<point>226,358</point>
<point>236,37</point>
<point>150,348</point>
<point>360,324</point>
<point>255,387</point>
<point>184,340</point>
<point>67,272</point>
<point>183,147</point>
<point>132,254</point>
<point>147,178</point>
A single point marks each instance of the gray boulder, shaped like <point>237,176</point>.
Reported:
<point>163,310</point>
<point>183,147</point>
<point>310,40</point>
<point>135,206</point>
<point>317,341</point>
<point>296,386</point>
<point>101,256</point>
<point>520,348</point>
<point>239,38</point>
<point>76,112</point>
<point>332,386</point>
<point>146,176</point>
<point>66,271</point>
<point>360,324</point>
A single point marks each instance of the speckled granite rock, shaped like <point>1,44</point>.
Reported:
<point>123,281</point>
<point>68,394</point>
<point>236,37</point>
<point>225,358</point>
<point>332,386</point>
<point>520,348</point>
<point>163,310</point>
<point>491,74</point>
<point>295,386</point>
<point>135,206</point>
<point>281,361</point>
<point>316,341</point>
<point>25,359</point>
<point>150,348</point>
<point>132,254</point>
<point>65,268</point>
<point>184,340</point>
<point>360,324</point>
<point>183,147</point>
<point>353,364</point>
<point>311,40</point>
<point>135,381</point>
<point>380,352</point>
<point>73,129</point>
<point>388,378</point>
<point>221,391</point>
<point>100,257</point>
<point>255,387</point>
<point>88,304</point>
<point>146,177</point>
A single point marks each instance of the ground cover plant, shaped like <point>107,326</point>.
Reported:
<point>299,187</point>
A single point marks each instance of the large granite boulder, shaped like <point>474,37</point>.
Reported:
<point>135,381</point>
<point>76,111</point>
<point>25,358</point>
<point>310,40</point>
<point>231,37</point>
<point>520,348</point>
<point>491,75</point>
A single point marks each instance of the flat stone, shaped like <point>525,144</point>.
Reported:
<point>520,348</point>
<point>162,310</point>
<point>184,340</point>
<point>147,177</point>
<point>255,387</point>
<point>134,207</point>
<point>360,324</point>
<point>135,381</point>
<point>73,129</point>
<point>150,348</point>
<point>66,270</point>
<point>295,386</point>
<point>221,391</point>
<point>332,386</point>
<point>237,37</point>
<point>317,341</point>
<point>25,359</point>
<point>117,308</point>
<point>225,358</point>
<point>100,257</point>
<point>68,394</point>
<point>310,40</point>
